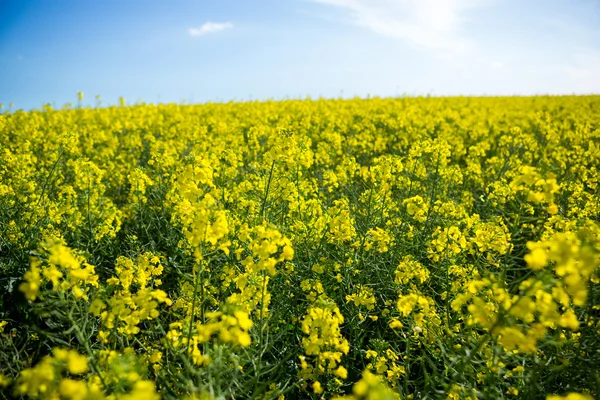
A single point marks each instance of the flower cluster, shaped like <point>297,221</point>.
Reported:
<point>363,248</point>
<point>323,341</point>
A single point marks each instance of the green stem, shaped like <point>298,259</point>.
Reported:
<point>86,345</point>
<point>264,203</point>
<point>196,284</point>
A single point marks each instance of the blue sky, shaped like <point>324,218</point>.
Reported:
<point>221,50</point>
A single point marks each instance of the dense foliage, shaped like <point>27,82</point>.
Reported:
<point>357,249</point>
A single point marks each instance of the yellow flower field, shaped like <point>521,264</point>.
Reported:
<point>418,248</point>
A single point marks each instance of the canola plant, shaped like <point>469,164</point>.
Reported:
<point>410,248</point>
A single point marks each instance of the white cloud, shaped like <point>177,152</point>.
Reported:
<point>433,24</point>
<point>497,64</point>
<point>210,27</point>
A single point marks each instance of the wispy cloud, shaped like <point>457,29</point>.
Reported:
<point>583,73</point>
<point>210,27</point>
<point>433,24</point>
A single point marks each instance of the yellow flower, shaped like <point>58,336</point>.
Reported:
<point>33,281</point>
<point>537,259</point>
<point>319,269</point>
<point>371,354</point>
<point>4,381</point>
<point>52,274</point>
<point>317,388</point>
<point>76,363</point>
<point>287,253</point>
<point>103,336</point>
<point>570,396</point>
<point>244,339</point>
<point>569,320</point>
<point>72,389</point>
<point>341,372</point>
<point>242,319</point>
<point>155,357</point>
<point>142,390</point>
<point>372,387</point>
<point>395,324</point>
